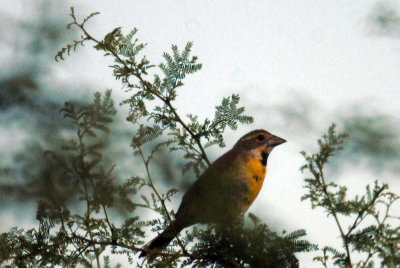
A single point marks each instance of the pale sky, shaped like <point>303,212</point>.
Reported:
<point>267,51</point>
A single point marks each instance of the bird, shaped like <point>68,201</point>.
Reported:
<point>225,190</point>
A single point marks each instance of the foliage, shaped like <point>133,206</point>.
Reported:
<point>376,138</point>
<point>88,236</point>
<point>256,246</point>
<point>61,237</point>
<point>29,120</point>
<point>373,231</point>
<point>67,237</point>
<point>186,135</point>
<point>384,19</point>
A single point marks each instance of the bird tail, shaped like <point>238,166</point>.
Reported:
<point>163,239</point>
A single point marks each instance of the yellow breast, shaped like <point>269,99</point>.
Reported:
<point>255,174</point>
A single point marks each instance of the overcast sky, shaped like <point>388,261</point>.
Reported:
<point>322,53</point>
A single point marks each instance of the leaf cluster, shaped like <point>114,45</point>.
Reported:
<point>237,245</point>
<point>68,238</point>
<point>254,246</point>
<point>71,237</point>
<point>185,134</point>
<point>373,231</point>
<point>73,46</point>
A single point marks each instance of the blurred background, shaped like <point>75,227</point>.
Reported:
<point>297,65</point>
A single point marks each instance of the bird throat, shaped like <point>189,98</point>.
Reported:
<point>264,158</point>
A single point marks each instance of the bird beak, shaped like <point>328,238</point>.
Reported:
<point>275,141</point>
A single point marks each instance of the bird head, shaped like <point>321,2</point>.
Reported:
<point>259,143</point>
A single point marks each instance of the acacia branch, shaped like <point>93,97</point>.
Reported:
<point>360,217</point>
<point>133,248</point>
<point>84,173</point>
<point>334,214</point>
<point>146,163</point>
<point>147,86</point>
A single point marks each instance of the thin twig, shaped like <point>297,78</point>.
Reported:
<point>123,245</point>
<point>84,174</point>
<point>333,211</point>
<point>146,163</point>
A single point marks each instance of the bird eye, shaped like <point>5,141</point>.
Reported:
<point>260,137</point>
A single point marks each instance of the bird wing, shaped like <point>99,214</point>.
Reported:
<point>214,196</point>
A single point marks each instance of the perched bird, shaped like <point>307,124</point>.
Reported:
<point>226,189</point>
